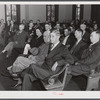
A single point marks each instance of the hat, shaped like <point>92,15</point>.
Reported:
<point>34,51</point>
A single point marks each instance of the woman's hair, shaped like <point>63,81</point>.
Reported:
<point>40,30</point>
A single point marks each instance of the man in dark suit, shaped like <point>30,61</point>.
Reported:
<point>53,62</point>
<point>90,58</point>
<point>79,45</point>
<point>86,35</point>
<point>69,38</point>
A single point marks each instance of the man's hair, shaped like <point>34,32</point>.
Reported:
<point>83,25</point>
<point>57,32</point>
<point>80,30</point>
<point>22,25</point>
<point>69,29</point>
<point>47,24</point>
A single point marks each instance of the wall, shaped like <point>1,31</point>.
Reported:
<point>39,12</point>
<point>2,12</point>
<point>22,12</point>
<point>87,12</point>
<point>65,12</point>
<point>33,12</point>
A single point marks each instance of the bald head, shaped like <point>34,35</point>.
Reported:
<point>95,37</point>
<point>46,36</point>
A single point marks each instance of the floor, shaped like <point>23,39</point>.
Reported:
<point>7,83</point>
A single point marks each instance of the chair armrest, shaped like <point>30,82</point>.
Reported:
<point>24,55</point>
<point>51,79</point>
<point>94,74</point>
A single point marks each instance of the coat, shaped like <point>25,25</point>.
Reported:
<point>21,38</point>
<point>90,60</point>
<point>59,54</point>
<point>78,50</point>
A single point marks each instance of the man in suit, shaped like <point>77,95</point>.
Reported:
<point>53,62</point>
<point>69,38</point>
<point>19,40</point>
<point>37,56</point>
<point>86,35</point>
<point>90,58</point>
<point>79,45</point>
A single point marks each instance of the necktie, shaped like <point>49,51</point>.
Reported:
<point>73,47</point>
<point>50,48</point>
<point>90,47</point>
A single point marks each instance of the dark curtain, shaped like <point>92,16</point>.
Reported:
<point>81,12</point>
<point>95,14</point>
<point>18,13</point>
<point>74,12</point>
<point>56,12</point>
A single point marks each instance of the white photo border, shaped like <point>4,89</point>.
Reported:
<point>50,94</point>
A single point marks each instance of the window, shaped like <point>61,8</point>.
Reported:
<point>52,13</point>
<point>12,12</point>
<point>78,12</point>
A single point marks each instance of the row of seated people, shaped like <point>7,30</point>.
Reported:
<point>55,57</point>
<point>8,29</point>
<point>35,37</point>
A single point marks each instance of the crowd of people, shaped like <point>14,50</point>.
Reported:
<point>47,47</point>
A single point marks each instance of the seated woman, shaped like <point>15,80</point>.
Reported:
<point>34,42</point>
<point>37,57</point>
<point>19,40</point>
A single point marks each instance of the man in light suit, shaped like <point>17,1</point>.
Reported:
<point>38,56</point>
<point>90,58</point>
<point>53,63</point>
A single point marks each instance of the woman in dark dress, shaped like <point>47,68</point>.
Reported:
<point>35,42</point>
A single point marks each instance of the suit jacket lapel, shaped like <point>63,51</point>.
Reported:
<point>77,46</point>
<point>54,51</point>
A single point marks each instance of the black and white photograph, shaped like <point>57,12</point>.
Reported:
<point>50,46</point>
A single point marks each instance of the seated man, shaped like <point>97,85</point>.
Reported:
<point>79,45</point>
<point>90,58</point>
<point>53,62</point>
<point>38,55</point>
<point>69,38</point>
<point>86,35</point>
<point>19,40</point>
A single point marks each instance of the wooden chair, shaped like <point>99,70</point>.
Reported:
<point>56,82</point>
<point>93,81</point>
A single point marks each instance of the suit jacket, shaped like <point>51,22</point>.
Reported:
<point>91,56</point>
<point>70,41</point>
<point>59,54</point>
<point>86,37</point>
<point>21,38</point>
<point>42,53</point>
<point>78,50</point>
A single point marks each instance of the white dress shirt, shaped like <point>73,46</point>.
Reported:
<point>65,40</point>
<point>54,45</point>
